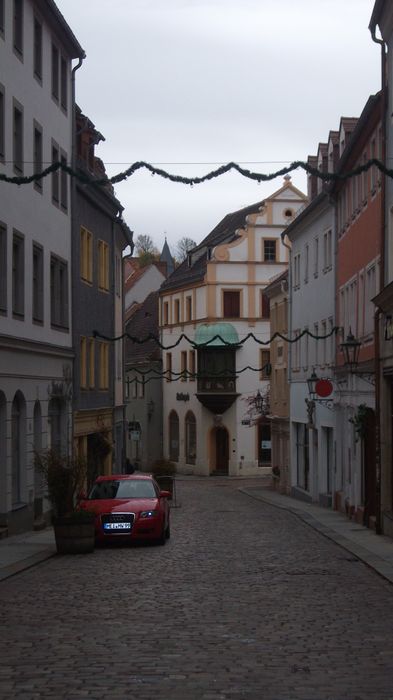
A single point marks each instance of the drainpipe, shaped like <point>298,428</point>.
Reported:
<point>289,304</point>
<point>377,314</point>
<point>73,204</point>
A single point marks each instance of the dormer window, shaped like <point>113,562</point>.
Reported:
<point>189,260</point>
<point>209,253</point>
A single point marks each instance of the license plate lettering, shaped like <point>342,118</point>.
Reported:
<point>117,526</point>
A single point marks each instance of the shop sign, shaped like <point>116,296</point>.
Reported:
<point>182,397</point>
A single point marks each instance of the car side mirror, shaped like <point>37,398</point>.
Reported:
<point>165,494</point>
<point>82,496</point>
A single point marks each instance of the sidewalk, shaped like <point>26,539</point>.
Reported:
<point>374,550</point>
<point>20,552</point>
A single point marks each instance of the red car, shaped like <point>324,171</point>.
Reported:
<point>129,507</point>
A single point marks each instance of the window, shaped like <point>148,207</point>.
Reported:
<point>183,359</point>
<point>316,343</point>
<point>91,363</point>
<point>168,367</point>
<point>296,271</point>
<point>141,388</point>
<point>306,261</point>
<point>231,304</point>
<point>83,362</point>
<point>2,124</point>
<point>373,169</point>
<point>37,58</point>
<point>302,455</point>
<point>265,306</point>
<point>63,83</point>
<point>217,369</point>
<point>269,250</point>
<point>86,255</point>
<point>327,251</point>
<point>63,183</point>
<point>118,275</point>
<point>188,308</point>
<point>59,292</point>
<point>18,274</point>
<point>103,265</point>
<point>305,350</point>
<point>166,313</point>
<point>191,443</point>
<point>177,311</point>
<point>3,268</point>
<point>173,436</point>
<point>18,27</point>
<point>323,342</point>
<point>370,292</point>
<point>265,364</point>
<point>103,365</point>
<point>191,359</point>
<point>37,154</point>
<point>38,283</point>
<point>316,256</point>
<point>18,139</point>
<point>55,175</point>
<point>2,18</point>
<point>364,180</point>
<point>330,354</point>
<point>296,351</point>
<point>55,72</point>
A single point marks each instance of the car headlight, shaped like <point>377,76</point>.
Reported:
<point>149,514</point>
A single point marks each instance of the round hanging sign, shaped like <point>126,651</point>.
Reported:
<point>323,388</point>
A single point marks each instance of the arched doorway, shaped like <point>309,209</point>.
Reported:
<point>18,445</point>
<point>220,451</point>
<point>173,436</point>
<point>56,421</point>
<point>369,446</point>
<point>191,440</point>
<point>38,479</point>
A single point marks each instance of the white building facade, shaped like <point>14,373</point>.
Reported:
<point>211,421</point>
<point>312,309</point>
<point>36,117</point>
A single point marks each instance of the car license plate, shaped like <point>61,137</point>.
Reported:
<point>117,526</point>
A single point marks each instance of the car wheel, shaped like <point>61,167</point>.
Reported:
<point>162,538</point>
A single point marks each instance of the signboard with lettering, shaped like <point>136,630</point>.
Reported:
<point>182,397</point>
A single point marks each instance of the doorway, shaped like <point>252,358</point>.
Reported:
<point>369,446</point>
<point>220,451</point>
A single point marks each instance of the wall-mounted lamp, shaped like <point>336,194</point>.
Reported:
<point>351,348</point>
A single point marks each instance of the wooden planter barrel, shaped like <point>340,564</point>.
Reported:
<point>74,537</point>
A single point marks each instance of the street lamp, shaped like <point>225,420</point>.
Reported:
<point>350,349</point>
<point>311,383</point>
<point>258,401</point>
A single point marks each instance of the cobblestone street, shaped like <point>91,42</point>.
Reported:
<point>244,601</point>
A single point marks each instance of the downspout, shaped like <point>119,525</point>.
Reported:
<point>289,304</point>
<point>73,232</point>
<point>377,314</point>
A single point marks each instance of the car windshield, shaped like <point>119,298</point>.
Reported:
<point>127,488</point>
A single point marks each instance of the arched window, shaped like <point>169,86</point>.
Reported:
<point>3,452</point>
<point>190,430</point>
<point>173,436</point>
<point>37,444</point>
<point>18,444</point>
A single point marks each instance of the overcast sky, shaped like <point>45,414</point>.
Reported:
<point>193,84</point>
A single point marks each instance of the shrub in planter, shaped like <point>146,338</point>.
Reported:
<point>163,467</point>
<point>64,478</point>
<point>163,471</point>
